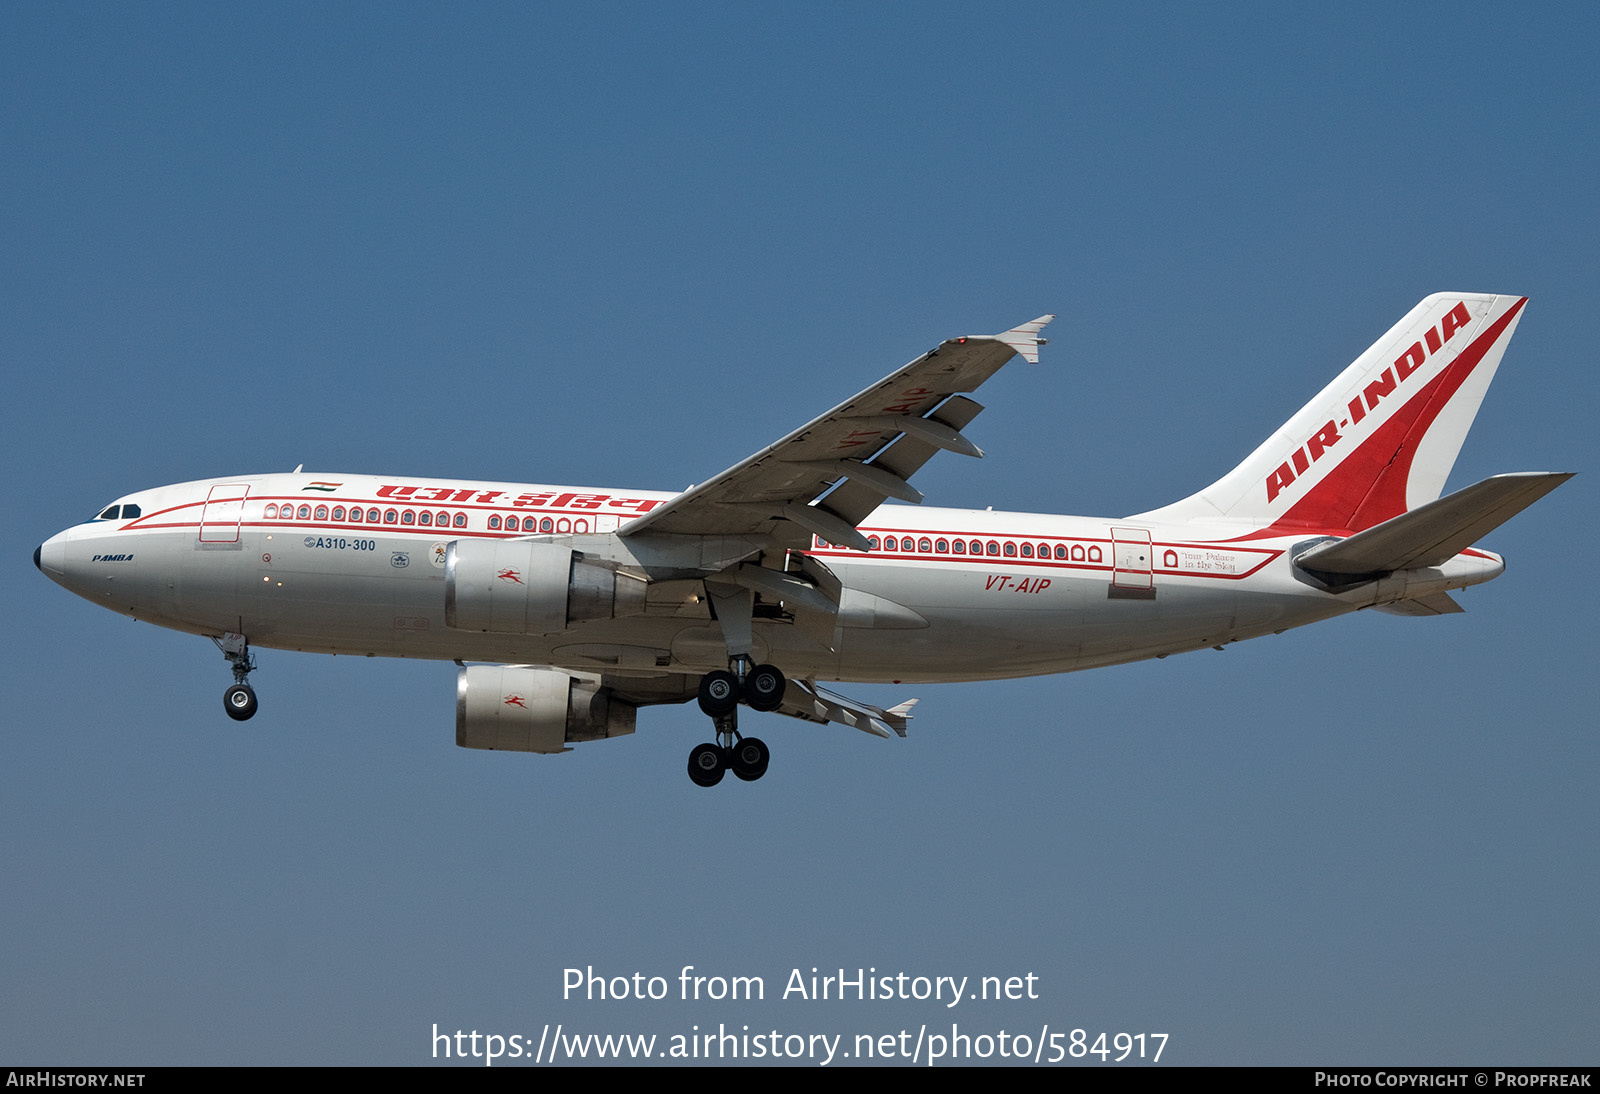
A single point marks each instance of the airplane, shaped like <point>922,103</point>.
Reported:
<point>567,609</point>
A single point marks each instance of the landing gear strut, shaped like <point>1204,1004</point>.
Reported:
<point>762,687</point>
<point>240,699</point>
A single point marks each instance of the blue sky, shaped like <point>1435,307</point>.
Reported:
<point>630,246</point>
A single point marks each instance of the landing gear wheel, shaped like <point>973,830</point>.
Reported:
<point>719,693</point>
<point>763,687</point>
<point>239,701</point>
<point>706,764</point>
<point>749,759</point>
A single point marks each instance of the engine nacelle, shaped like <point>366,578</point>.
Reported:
<point>514,708</point>
<point>531,587</point>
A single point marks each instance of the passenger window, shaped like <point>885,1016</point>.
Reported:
<point>494,522</point>
<point>355,516</point>
<point>1061,550</point>
<point>994,547</point>
<point>443,520</point>
<point>390,516</point>
<point>408,517</point>
<point>1027,550</point>
<point>925,545</point>
<point>305,512</point>
<point>872,543</point>
<point>461,520</point>
<point>941,545</point>
<point>1011,550</point>
<point>372,516</point>
<point>338,512</point>
<point>322,512</point>
<point>548,525</point>
<point>959,546</point>
<point>270,513</point>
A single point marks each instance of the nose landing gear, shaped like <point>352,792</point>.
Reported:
<point>240,699</point>
<point>762,687</point>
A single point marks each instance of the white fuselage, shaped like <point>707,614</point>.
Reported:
<point>355,565</point>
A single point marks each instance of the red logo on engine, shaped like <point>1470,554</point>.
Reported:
<point>509,575</point>
<point>516,701</point>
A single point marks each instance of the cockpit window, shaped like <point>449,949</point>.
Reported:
<point>114,512</point>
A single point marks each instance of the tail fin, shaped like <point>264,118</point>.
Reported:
<point>1381,438</point>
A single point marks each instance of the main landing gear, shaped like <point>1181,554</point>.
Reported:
<point>239,700</point>
<point>761,688</point>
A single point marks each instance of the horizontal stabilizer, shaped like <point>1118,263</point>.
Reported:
<point>1432,534</point>
<point>1437,604</point>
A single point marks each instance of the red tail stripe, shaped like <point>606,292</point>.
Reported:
<point>1368,486</point>
<point>1387,497</point>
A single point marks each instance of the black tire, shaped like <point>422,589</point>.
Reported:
<point>240,702</point>
<point>764,686</point>
<point>707,762</point>
<point>719,693</point>
<point>749,759</point>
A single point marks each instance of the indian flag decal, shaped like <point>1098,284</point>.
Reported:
<point>328,487</point>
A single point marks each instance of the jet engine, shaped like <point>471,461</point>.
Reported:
<point>517,708</point>
<point>531,587</point>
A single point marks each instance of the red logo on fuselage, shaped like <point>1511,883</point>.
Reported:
<point>550,499</point>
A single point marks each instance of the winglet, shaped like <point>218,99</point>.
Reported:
<point>1025,339</point>
<point>896,717</point>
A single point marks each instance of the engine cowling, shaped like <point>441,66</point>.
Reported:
<point>531,587</point>
<point>516,708</point>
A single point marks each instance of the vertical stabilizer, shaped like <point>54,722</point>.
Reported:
<point>1381,438</point>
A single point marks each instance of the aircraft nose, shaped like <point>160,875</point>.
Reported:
<point>51,556</point>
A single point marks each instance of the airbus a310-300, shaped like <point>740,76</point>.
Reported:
<point>567,609</point>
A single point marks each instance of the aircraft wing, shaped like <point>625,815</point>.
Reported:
<point>810,703</point>
<point>827,476</point>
